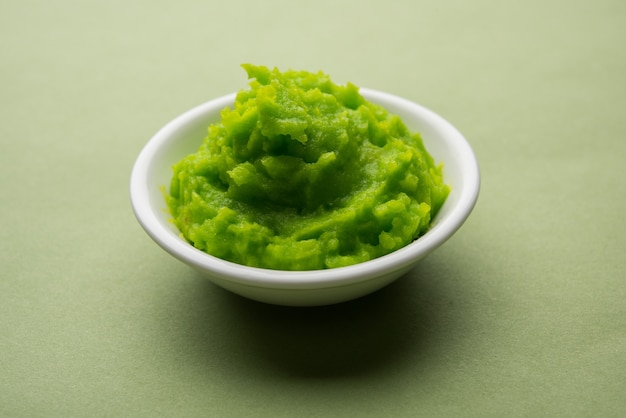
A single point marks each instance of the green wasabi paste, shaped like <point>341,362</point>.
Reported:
<point>305,174</point>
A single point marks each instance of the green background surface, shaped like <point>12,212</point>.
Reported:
<point>521,313</point>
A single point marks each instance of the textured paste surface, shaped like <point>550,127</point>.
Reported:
<point>305,174</point>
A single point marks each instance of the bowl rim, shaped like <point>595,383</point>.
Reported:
<point>148,216</point>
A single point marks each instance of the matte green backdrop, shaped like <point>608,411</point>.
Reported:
<point>522,313</point>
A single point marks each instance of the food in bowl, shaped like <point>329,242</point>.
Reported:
<point>305,174</point>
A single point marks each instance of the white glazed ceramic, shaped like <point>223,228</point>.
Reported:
<point>153,170</point>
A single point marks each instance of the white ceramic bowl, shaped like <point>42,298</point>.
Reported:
<point>153,170</point>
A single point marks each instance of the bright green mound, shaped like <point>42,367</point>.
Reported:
<point>304,174</point>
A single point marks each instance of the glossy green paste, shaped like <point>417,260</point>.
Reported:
<point>304,174</point>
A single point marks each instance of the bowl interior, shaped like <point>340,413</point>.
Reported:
<point>153,170</point>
